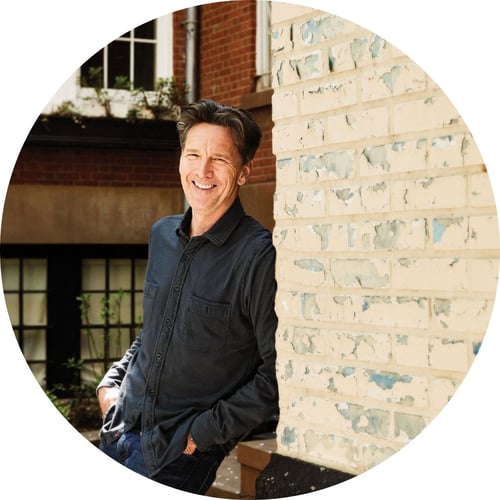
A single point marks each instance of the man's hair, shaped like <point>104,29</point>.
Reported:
<point>244,129</point>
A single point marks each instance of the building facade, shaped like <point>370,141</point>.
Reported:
<point>387,241</point>
<point>91,179</point>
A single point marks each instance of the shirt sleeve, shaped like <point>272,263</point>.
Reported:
<point>256,401</point>
<point>114,376</point>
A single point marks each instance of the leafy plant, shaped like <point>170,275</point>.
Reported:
<point>95,80</point>
<point>63,406</point>
<point>111,307</point>
<point>82,408</point>
<point>164,101</point>
<point>67,108</point>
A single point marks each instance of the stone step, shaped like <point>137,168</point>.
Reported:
<point>238,472</point>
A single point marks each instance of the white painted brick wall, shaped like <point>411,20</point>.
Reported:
<point>387,242</point>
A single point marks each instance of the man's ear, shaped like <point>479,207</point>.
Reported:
<point>245,173</point>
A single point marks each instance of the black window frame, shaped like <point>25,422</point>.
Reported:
<point>64,285</point>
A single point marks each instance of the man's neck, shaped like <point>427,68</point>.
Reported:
<point>199,227</point>
<point>201,223</point>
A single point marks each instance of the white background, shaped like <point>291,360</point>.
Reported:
<point>42,43</point>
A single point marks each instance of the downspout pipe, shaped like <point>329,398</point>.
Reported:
<point>192,26</point>
<point>191,69</point>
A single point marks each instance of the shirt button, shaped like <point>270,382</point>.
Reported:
<point>158,356</point>
<point>151,390</point>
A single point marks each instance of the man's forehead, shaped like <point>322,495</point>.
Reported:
<point>206,134</point>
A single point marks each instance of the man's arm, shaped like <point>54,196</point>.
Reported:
<point>109,387</point>
<point>107,397</point>
<point>256,401</point>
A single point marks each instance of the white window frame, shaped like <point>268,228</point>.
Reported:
<point>263,45</point>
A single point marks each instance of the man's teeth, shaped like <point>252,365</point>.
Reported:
<point>204,186</point>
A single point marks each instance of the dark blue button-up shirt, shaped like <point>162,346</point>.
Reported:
<point>204,361</point>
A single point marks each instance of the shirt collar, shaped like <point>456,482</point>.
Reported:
<point>221,230</point>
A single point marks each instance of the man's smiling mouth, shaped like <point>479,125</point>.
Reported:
<point>205,187</point>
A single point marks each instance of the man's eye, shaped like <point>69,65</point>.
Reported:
<point>191,156</point>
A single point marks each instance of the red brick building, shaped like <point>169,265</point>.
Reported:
<point>87,187</point>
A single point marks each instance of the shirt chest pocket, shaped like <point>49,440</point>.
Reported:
<point>207,324</point>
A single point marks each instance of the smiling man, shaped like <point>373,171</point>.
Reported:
<point>201,374</point>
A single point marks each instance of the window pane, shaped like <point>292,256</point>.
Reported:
<point>138,308</point>
<point>92,372</point>
<point>118,342</point>
<point>144,65</point>
<point>146,30</point>
<point>118,61</point>
<point>93,274</point>
<point>34,345</point>
<point>12,302</point>
<point>120,274</point>
<point>140,273</point>
<point>95,311</point>
<point>39,370</point>
<point>34,274</point>
<point>92,343</point>
<point>88,77</point>
<point>119,308</point>
<point>10,274</point>
<point>35,309</point>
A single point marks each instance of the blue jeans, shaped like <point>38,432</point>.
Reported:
<point>193,473</point>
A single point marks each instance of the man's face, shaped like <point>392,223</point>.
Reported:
<point>210,170</point>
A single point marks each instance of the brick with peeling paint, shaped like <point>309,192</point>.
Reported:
<point>461,314</point>
<point>480,191</point>
<point>421,274</point>
<point>392,80</point>
<point>373,454</point>
<point>411,350</point>
<point>399,388</point>
<point>408,426</point>
<point>393,157</point>
<point>393,234</point>
<point>331,94</point>
<point>430,193</point>
<point>320,446</point>
<point>482,232</point>
<point>360,273</point>
<point>395,311</point>
<point>354,125</point>
<point>331,165</point>
<point>433,112</point>
<point>448,353</point>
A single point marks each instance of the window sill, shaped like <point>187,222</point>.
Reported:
<point>259,99</point>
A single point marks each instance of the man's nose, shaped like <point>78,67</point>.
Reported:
<point>205,167</point>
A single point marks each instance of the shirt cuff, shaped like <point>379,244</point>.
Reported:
<point>205,432</point>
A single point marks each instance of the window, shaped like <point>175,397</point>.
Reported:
<point>131,56</point>
<point>110,305</point>
<point>25,288</point>
<point>263,45</point>
<point>74,308</point>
